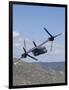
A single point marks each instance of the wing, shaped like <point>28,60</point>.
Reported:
<point>42,43</point>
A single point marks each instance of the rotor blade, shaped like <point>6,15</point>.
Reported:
<point>32,57</point>
<point>47,32</point>
<point>34,44</point>
<point>51,46</point>
<point>24,50</point>
<point>57,35</point>
<point>24,44</point>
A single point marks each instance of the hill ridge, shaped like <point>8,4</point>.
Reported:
<point>31,74</point>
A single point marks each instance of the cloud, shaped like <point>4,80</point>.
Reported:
<point>16,34</point>
<point>18,44</point>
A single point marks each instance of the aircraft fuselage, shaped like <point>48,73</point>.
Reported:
<point>39,51</point>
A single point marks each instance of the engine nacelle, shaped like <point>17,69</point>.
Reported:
<point>24,55</point>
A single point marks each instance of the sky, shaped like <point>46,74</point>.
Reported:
<point>28,24</point>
